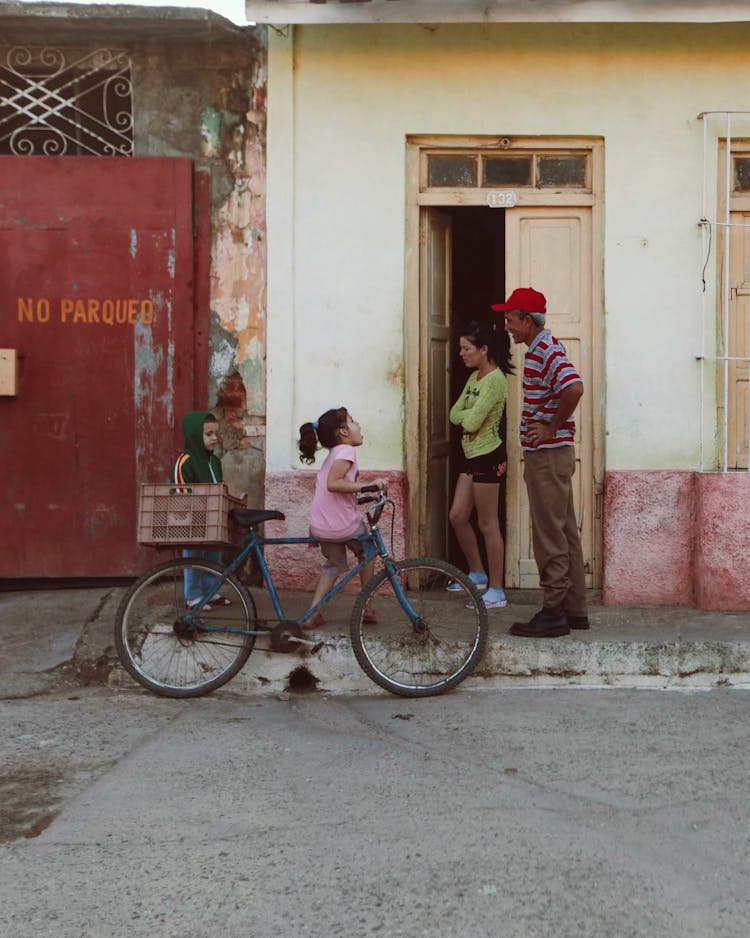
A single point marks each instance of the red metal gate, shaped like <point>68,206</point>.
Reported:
<point>97,299</point>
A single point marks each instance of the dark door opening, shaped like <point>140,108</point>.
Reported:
<point>478,280</point>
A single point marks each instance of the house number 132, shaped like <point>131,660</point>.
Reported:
<point>501,198</point>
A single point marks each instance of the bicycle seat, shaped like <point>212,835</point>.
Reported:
<point>249,517</point>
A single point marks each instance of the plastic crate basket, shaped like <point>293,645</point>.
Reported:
<point>171,515</point>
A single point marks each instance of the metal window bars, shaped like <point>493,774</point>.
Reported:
<point>55,102</point>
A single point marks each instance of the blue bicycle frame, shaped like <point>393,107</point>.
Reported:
<point>373,545</point>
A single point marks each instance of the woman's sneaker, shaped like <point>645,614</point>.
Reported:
<point>495,599</point>
<point>478,579</point>
<point>492,599</point>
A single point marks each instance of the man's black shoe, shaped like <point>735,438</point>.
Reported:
<point>579,622</point>
<point>547,623</point>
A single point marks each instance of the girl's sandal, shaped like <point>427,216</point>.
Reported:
<point>317,623</point>
<point>221,601</point>
<point>370,617</point>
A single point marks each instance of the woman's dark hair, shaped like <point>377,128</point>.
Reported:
<point>497,340</point>
<point>326,433</point>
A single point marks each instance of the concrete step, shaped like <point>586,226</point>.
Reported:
<point>54,637</point>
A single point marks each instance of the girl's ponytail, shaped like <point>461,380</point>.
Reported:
<point>324,430</point>
<point>308,442</point>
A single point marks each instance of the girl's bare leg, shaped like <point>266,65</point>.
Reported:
<point>325,583</point>
<point>365,574</point>
<point>460,519</point>
<point>486,496</point>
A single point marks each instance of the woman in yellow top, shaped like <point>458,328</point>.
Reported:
<point>478,411</point>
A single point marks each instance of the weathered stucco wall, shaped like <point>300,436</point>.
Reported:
<point>722,549</point>
<point>216,114</point>
<point>649,540</point>
<point>677,538</point>
<point>345,101</point>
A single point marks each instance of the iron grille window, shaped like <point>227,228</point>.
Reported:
<point>56,102</point>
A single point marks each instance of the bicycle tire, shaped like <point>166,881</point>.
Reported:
<point>436,655</point>
<point>157,649</point>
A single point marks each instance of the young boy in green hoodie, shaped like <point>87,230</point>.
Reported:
<point>199,464</point>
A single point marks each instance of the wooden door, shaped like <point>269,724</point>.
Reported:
<point>435,305</point>
<point>738,344</point>
<point>97,299</point>
<point>551,250</point>
<point>733,314</point>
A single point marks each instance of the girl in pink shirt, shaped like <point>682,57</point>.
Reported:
<point>334,517</point>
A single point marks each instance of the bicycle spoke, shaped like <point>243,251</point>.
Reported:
<point>429,641</point>
<point>167,653</point>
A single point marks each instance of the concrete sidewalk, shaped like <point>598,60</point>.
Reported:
<point>64,637</point>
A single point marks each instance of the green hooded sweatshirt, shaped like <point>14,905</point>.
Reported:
<point>196,464</point>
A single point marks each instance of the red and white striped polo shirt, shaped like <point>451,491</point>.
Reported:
<point>547,371</point>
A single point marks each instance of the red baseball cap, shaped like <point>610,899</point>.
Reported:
<point>525,299</point>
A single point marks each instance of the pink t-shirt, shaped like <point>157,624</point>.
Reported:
<point>334,515</point>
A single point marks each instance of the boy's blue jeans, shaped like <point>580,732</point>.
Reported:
<point>198,584</point>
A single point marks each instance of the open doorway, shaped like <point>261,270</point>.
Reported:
<point>485,216</point>
<point>477,265</point>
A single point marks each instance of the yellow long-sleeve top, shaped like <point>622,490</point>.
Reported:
<point>478,411</point>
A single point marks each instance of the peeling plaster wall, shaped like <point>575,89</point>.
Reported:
<point>216,114</point>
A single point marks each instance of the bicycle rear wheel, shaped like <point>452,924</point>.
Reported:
<point>432,654</point>
<point>170,656</point>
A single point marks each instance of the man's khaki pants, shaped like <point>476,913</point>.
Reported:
<point>548,474</point>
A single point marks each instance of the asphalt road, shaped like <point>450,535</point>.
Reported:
<point>517,813</point>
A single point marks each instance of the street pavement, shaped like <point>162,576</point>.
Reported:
<point>53,638</point>
<point>536,813</point>
<point>520,806</point>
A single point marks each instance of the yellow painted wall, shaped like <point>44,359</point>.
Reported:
<point>342,100</point>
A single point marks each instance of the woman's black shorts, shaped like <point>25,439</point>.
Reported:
<point>488,468</point>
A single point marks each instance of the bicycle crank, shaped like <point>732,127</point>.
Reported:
<point>287,636</point>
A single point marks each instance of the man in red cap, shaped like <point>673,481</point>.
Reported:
<point>552,389</point>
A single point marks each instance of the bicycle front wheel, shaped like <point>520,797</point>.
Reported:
<point>178,658</point>
<point>425,639</point>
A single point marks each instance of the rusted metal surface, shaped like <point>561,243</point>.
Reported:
<point>97,296</point>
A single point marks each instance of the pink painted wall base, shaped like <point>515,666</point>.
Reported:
<point>677,538</point>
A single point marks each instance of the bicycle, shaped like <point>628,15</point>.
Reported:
<point>426,640</point>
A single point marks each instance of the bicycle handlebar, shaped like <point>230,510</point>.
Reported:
<point>369,499</point>
<point>377,501</point>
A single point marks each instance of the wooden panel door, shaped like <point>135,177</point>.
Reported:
<point>550,249</point>
<point>97,298</point>
<point>435,304</point>
<point>738,346</point>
